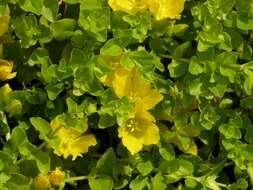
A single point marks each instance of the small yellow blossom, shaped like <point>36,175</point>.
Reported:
<point>42,183</point>
<point>140,130</point>
<point>129,6</point>
<point>4,21</point>
<point>72,141</point>
<point>57,177</point>
<point>5,92</point>
<point>160,9</point>
<point>163,9</point>
<point>6,70</point>
<point>132,85</point>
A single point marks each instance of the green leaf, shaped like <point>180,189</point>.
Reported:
<point>106,163</point>
<point>32,152</point>
<point>29,32</point>
<point>177,169</point>
<point>100,182</point>
<point>106,121</point>
<point>159,182</point>
<point>139,183</point>
<point>18,137</point>
<point>63,29</point>
<point>111,48</point>
<point>5,160</point>
<point>140,25</point>
<point>18,182</point>
<point>145,167</point>
<point>177,68</point>
<point>228,65</point>
<point>95,18</point>
<point>32,6</point>
<point>53,90</point>
<point>167,151</point>
<point>230,130</point>
<point>42,126</point>
<point>50,9</point>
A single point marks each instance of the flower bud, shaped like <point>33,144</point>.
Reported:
<point>14,107</point>
<point>6,70</point>
<point>57,177</point>
<point>42,183</point>
<point>5,92</point>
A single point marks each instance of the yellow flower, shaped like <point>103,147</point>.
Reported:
<point>6,70</point>
<point>132,85</point>
<point>163,9</point>
<point>129,6</point>
<point>5,92</point>
<point>140,130</point>
<point>42,183</point>
<point>4,21</point>
<point>72,141</point>
<point>57,177</point>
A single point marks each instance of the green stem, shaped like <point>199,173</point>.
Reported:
<point>171,57</point>
<point>217,168</point>
<point>77,178</point>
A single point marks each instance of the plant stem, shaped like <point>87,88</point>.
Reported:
<point>217,168</point>
<point>77,178</point>
<point>171,57</point>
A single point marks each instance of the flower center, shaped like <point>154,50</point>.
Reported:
<point>132,125</point>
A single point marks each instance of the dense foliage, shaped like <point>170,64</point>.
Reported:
<point>126,94</point>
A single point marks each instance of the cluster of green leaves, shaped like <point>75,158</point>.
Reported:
<point>202,64</point>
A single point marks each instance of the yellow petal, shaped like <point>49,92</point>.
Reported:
<point>71,141</point>
<point>163,9</point>
<point>142,89</point>
<point>141,113</point>
<point>151,134</point>
<point>6,69</point>
<point>5,92</point>
<point>42,183</point>
<point>122,81</point>
<point>152,98</point>
<point>106,80</point>
<point>82,144</point>
<point>127,6</point>
<point>132,141</point>
<point>193,149</point>
<point>141,133</point>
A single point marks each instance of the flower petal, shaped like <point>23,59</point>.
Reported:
<point>151,134</point>
<point>163,9</point>
<point>132,141</point>
<point>121,81</point>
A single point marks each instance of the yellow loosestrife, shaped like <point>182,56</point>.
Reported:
<point>129,6</point>
<point>42,183</point>
<point>132,85</point>
<point>6,70</point>
<point>139,130</point>
<point>163,9</point>
<point>5,92</point>
<point>4,21</point>
<point>160,9</point>
<point>57,177</point>
<point>72,142</point>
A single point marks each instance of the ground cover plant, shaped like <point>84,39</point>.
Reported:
<point>126,94</point>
